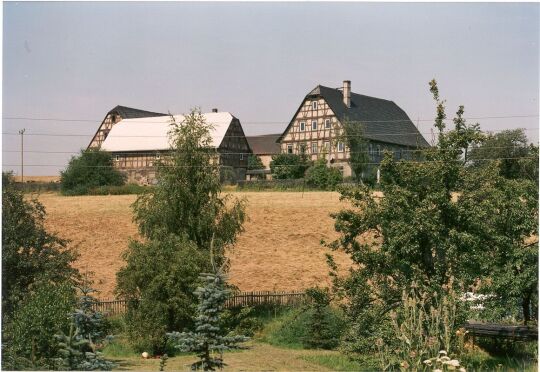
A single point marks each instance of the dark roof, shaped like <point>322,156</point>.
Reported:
<point>133,113</point>
<point>264,144</point>
<point>381,120</point>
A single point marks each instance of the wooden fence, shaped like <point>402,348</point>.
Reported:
<point>241,299</point>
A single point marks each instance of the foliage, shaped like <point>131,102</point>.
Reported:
<point>159,280</point>
<point>91,169</point>
<point>129,189</point>
<point>208,337</point>
<point>430,226</point>
<point>422,325</point>
<point>29,253</point>
<point>186,199</point>
<point>243,321</point>
<point>289,166</point>
<point>254,162</point>
<point>353,137</point>
<point>323,331</point>
<point>516,158</point>
<point>322,176</point>
<point>227,175</point>
<point>28,338</point>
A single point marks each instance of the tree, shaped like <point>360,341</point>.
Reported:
<point>322,176</point>
<point>91,169</point>
<point>29,253</point>
<point>208,337</point>
<point>187,199</point>
<point>254,162</point>
<point>180,218</point>
<point>289,166</point>
<point>516,158</point>
<point>419,232</point>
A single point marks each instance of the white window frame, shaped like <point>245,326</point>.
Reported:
<point>242,156</point>
<point>340,147</point>
<point>302,126</point>
<point>379,152</point>
<point>315,145</point>
<point>314,105</point>
<point>290,148</point>
<point>314,122</point>
<point>158,156</point>
<point>326,145</point>
<point>327,124</point>
<point>117,158</point>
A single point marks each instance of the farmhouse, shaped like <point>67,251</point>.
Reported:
<point>136,144</point>
<point>317,127</point>
<point>263,146</point>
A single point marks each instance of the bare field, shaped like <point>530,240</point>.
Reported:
<point>279,250</point>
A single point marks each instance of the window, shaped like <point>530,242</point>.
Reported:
<point>302,126</point>
<point>371,150</point>
<point>314,148</point>
<point>158,156</point>
<point>289,149</point>
<point>242,156</point>
<point>314,105</point>
<point>117,157</point>
<point>314,125</point>
<point>340,147</point>
<point>327,145</point>
<point>303,148</point>
<point>379,150</point>
<point>327,124</point>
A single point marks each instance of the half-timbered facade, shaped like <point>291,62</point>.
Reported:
<point>136,144</point>
<point>317,127</point>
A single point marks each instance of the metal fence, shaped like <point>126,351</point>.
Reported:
<point>112,307</point>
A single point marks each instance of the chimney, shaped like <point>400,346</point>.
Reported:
<point>214,110</point>
<point>347,93</point>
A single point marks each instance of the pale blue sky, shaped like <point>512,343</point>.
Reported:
<point>257,60</point>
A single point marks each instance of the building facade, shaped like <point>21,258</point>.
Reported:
<point>318,127</point>
<point>264,146</point>
<point>136,144</point>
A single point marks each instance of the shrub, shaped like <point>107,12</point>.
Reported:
<point>323,177</point>
<point>160,279</point>
<point>91,169</point>
<point>29,340</point>
<point>129,189</point>
<point>288,166</point>
<point>242,321</point>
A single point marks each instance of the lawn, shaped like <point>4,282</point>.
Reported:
<point>280,248</point>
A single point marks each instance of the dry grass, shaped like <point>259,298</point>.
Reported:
<point>279,250</point>
<point>38,178</point>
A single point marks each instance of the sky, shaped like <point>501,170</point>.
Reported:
<point>75,61</point>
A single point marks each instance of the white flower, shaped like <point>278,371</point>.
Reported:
<point>443,352</point>
<point>427,362</point>
<point>462,369</point>
<point>437,370</point>
<point>445,359</point>
<point>454,362</point>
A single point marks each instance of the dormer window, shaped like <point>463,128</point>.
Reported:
<point>302,126</point>
<point>314,105</point>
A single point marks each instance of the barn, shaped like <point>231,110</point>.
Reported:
<point>136,144</point>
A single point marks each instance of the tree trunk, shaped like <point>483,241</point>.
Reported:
<point>525,303</point>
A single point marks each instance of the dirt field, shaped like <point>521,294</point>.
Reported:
<point>279,250</point>
<point>38,178</point>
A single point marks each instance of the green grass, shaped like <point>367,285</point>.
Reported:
<point>337,362</point>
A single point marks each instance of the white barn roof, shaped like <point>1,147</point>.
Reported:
<point>151,133</point>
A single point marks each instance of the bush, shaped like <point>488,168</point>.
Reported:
<point>91,169</point>
<point>323,177</point>
<point>129,189</point>
<point>288,166</point>
<point>242,321</point>
<point>29,340</point>
<point>160,279</point>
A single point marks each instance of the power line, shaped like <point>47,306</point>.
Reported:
<point>268,122</point>
<point>224,136</point>
<point>286,165</point>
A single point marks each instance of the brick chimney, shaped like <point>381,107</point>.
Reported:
<point>347,93</point>
<point>214,110</point>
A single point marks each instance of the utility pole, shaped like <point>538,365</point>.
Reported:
<point>21,132</point>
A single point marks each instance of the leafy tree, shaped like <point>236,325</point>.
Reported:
<point>208,337</point>
<point>159,281</point>
<point>187,199</point>
<point>289,166</point>
<point>254,162</point>
<point>419,232</point>
<point>29,253</point>
<point>322,176</point>
<point>516,158</point>
<point>91,169</point>
<point>180,218</point>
